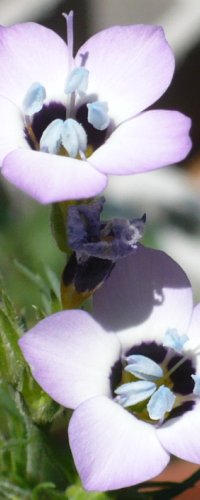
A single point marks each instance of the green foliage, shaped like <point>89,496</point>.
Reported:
<point>32,465</point>
<point>48,286</point>
<point>12,363</point>
<point>13,368</point>
<point>25,237</point>
<point>76,492</point>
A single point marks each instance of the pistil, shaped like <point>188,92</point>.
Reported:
<point>70,38</point>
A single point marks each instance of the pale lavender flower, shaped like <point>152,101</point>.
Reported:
<point>66,123</point>
<point>132,374</point>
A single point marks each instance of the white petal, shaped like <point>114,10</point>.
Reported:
<point>111,448</point>
<point>71,357</point>
<point>146,294</point>
<point>130,67</point>
<point>180,436</point>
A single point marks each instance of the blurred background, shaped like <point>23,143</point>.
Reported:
<point>170,196</point>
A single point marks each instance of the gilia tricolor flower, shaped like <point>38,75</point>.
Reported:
<point>132,374</point>
<point>67,122</point>
<point>97,245</point>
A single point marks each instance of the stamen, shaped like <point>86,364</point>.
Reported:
<point>134,392</point>
<point>74,138</point>
<point>143,367</point>
<point>98,115</point>
<point>77,81</point>
<point>50,141</point>
<point>34,99</point>
<point>161,402</point>
<point>174,340</point>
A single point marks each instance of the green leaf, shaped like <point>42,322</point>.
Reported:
<point>33,277</point>
<point>12,361</point>
<point>48,287</point>
<point>76,492</point>
<point>9,309</point>
<point>52,280</point>
<point>47,491</point>
<point>10,491</point>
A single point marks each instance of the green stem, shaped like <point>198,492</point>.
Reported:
<point>33,447</point>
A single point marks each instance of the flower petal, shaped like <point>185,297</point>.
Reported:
<point>25,52</point>
<point>111,448</point>
<point>71,356</point>
<point>194,337</point>
<point>153,139</point>
<point>194,328</point>
<point>130,67</point>
<point>146,294</point>
<point>48,178</point>
<point>180,436</point>
<point>12,128</point>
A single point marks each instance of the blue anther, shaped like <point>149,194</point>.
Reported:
<point>77,81</point>
<point>50,141</point>
<point>98,115</point>
<point>34,99</point>
<point>161,402</point>
<point>143,367</point>
<point>74,138</point>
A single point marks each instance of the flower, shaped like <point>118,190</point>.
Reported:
<point>96,245</point>
<point>66,123</point>
<point>132,373</point>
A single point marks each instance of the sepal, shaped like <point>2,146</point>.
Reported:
<point>58,221</point>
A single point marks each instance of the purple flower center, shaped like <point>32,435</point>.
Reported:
<point>155,382</point>
<point>73,128</point>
